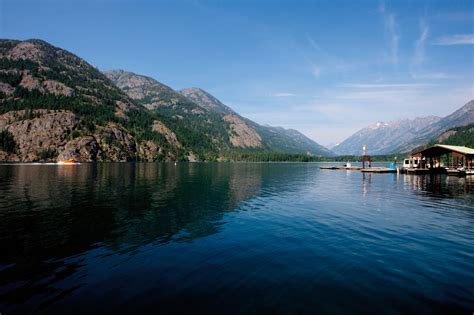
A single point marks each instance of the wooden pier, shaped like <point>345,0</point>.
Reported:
<point>360,168</point>
<point>344,168</point>
<point>379,170</point>
<point>460,162</point>
<point>417,171</point>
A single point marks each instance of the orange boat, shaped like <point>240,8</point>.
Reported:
<point>69,162</point>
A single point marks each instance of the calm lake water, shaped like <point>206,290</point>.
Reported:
<point>233,238</point>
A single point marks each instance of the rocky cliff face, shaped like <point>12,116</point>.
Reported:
<point>150,92</point>
<point>38,132</point>
<point>241,134</point>
<point>54,105</point>
<point>245,133</point>
<point>206,100</point>
<point>56,135</point>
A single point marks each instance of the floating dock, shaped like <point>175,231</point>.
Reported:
<point>417,171</point>
<point>410,171</point>
<point>360,168</point>
<point>346,168</point>
<point>379,170</point>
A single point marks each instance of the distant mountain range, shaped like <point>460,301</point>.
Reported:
<point>402,136</point>
<point>200,107</point>
<point>55,106</point>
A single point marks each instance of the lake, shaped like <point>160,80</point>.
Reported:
<point>233,238</point>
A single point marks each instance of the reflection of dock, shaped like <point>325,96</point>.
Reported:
<point>457,172</point>
<point>417,171</point>
<point>360,168</point>
<point>378,170</point>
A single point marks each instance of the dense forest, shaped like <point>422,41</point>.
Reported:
<point>463,136</point>
<point>284,157</point>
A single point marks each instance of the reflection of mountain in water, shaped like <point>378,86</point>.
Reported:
<point>62,210</point>
<point>183,202</point>
<point>49,213</point>
<point>157,236</point>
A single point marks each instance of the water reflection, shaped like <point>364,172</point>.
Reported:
<point>51,212</point>
<point>221,227</point>
<point>440,185</point>
<point>55,210</point>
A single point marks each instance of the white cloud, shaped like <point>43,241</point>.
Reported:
<point>380,96</point>
<point>283,94</point>
<point>326,62</point>
<point>435,76</point>
<point>420,43</point>
<point>391,27</point>
<point>384,86</point>
<point>458,39</point>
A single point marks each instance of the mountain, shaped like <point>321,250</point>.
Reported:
<point>198,108</point>
<point>462,136</point>
<point>54,105</point>
<point>215,132</point>
<point>145,89</point>
<point>461,117</point>
<point>383,137</point>
<point>404,135</point>
<point>274,138</point>
<point>206,100</point>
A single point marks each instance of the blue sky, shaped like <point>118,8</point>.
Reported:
<point>325,68</point>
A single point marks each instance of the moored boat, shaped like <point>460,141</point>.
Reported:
<point>69,162</point>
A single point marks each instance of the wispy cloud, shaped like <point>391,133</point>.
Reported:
<point>458,39</point>
<point>435,76</point>
<point>316,71</point>
<point>326,62</point>
<point>380,96</point>
<point>335,114</point>
<point>391,27</point>
<point>284,94</point>
<point>384,86</point>
<point>315,45</point>
<point>419,57</point>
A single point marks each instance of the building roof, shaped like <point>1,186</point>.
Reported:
<point>443,148</point>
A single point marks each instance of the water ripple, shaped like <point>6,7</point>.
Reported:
<point>233,238</point>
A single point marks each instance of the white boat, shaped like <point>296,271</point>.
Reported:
<point>69,162</point>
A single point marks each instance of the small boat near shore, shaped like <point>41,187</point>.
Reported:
<point>69,162</point>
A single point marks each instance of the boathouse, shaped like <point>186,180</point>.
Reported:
<point>446,156</point>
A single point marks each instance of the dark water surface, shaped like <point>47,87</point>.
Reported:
<point>231,238</point>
